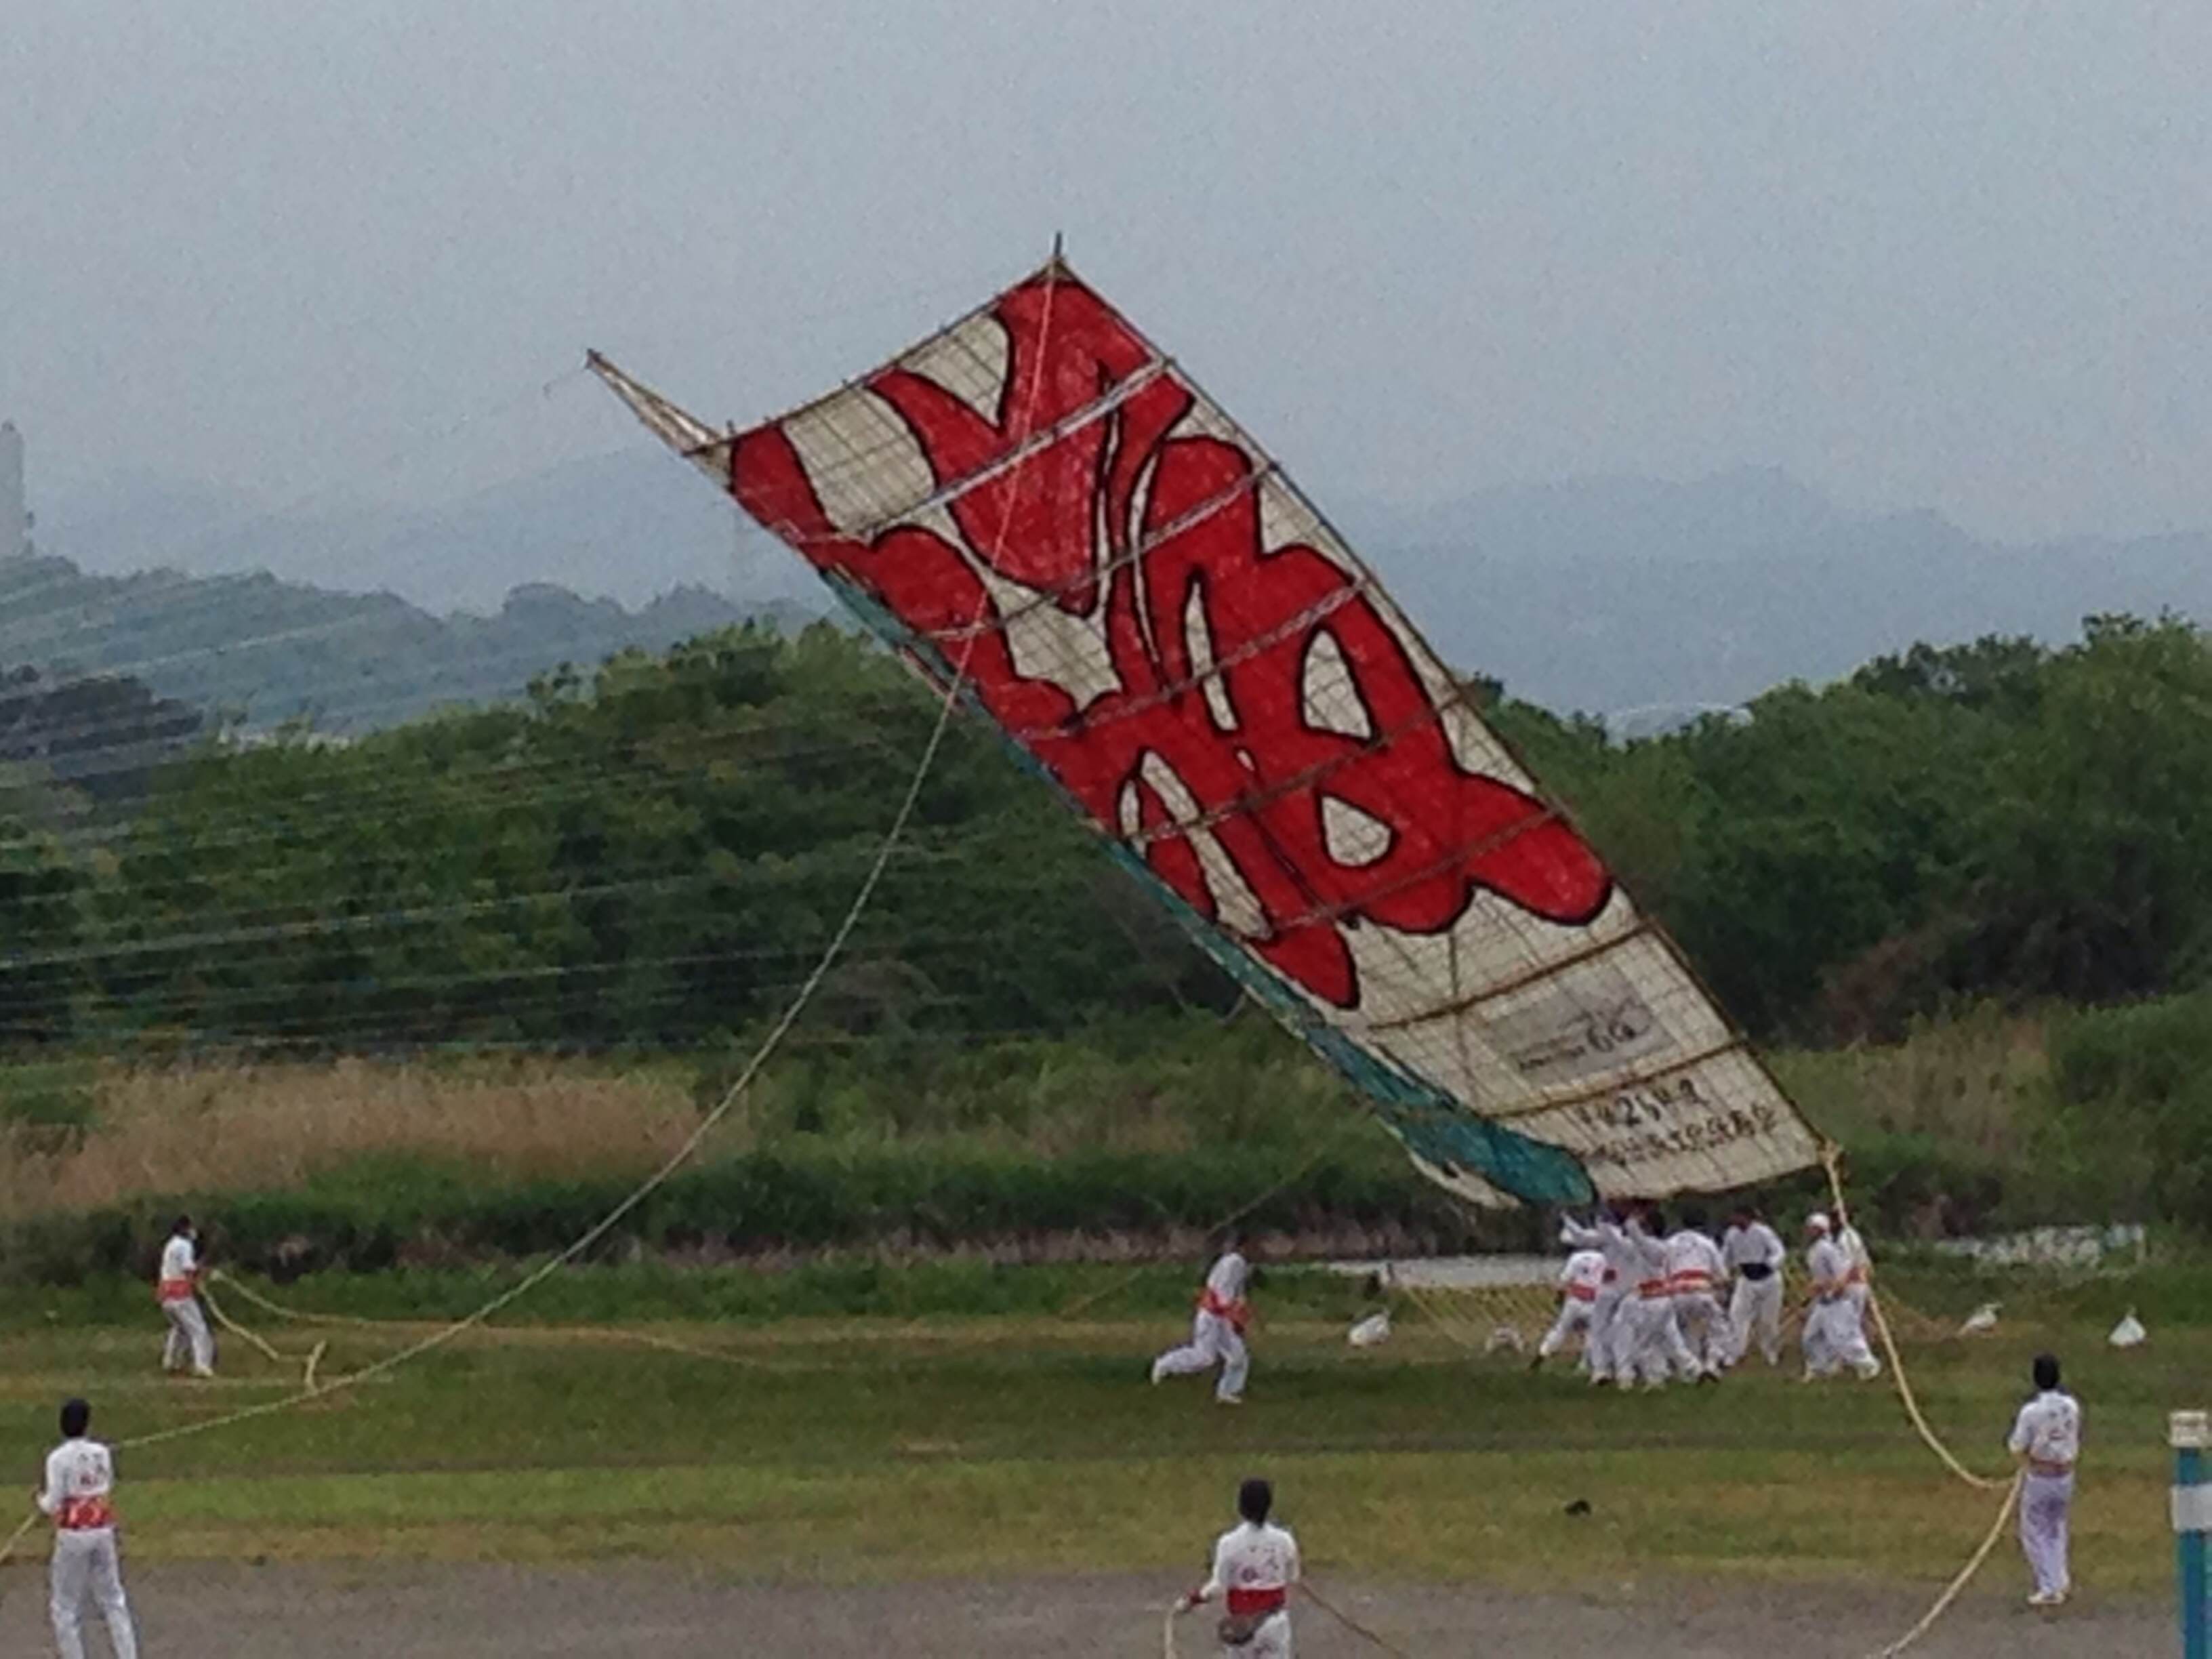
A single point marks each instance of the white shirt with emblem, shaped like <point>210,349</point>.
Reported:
<point>80,1481</point>
<point>2049,1429</point>
<point>1253,1557</point>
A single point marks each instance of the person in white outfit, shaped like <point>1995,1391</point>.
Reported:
<point>1835,1334</point>
<point>79,1497</point>
<point>1754,1254</point>
<point>1643,1342</point>
<point>1621,1261</point>
<point>2046,1439</point>
<point>1255,1565</point>
<point>1694,1273</point>
<point>1858,1267</point>
<point>1581,1282</point>
<point>1217,1329</point>
<point>190,1343</point>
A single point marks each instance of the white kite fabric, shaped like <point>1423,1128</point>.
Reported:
<point>1158,621</point>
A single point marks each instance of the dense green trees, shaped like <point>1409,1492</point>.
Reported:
<point>654,856</point>
<point>653,859</point>
<point>1991,820</point>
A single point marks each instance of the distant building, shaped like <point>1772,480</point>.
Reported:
<point>14,511</point>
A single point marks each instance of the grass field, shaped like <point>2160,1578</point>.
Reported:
<point>892,1447</point>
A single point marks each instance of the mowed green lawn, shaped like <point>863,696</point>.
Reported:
<point>890,1448</point>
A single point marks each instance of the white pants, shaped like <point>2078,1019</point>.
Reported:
<point>1211,1338</point>
<point>190,1341</point>
<point>1647,1344</point>
<point>1575,1319</point>
<point>1835,1337</point>
<point>1271,1641</point>
<point>86,1561</point>
<point>2046,1506</point>
<point>1704,1332</point>
<point>1605,1323</point>
<point>1756,1309</point>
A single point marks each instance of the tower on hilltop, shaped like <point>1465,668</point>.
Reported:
<point>15,512</point>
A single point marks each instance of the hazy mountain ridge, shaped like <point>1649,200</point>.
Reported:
<point>1610,595</point>
<point>266,651</point>
<point>630,526</point>
<point>1602,594</point>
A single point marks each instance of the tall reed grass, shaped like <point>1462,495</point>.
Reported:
<point>257,1128</point>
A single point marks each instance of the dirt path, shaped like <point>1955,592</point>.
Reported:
<point>506,1613</point>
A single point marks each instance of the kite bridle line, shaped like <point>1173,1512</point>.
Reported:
<point>732,1097</point>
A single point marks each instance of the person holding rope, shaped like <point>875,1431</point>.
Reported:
<point>1835,1323</point>
<point>189,1342</point>
<point>2046,1440</point>
<point>1858,1263</point>
<point>1217,1329</point>
<point>1255,1565</point>
<point>78,1496</point>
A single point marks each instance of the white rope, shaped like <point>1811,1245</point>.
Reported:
<point>1958,1585</point>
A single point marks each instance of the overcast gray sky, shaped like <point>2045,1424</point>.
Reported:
<point>1934,253</point>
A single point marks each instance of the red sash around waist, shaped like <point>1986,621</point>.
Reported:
<point>1654,1288</point>
<point>1582,1292</point>
<point>1251,1603</point>
<point>174,1290</point>
<point>1237,1313</point>
<point>84,1514</point>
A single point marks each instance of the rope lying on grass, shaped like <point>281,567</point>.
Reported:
<point>598,1333</point>
<point>1953,1590</point>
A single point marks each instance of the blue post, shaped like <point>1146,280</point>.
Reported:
<point>2189,1433</point>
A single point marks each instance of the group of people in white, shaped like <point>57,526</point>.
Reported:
<point>1652,1304</point>
<point>1648,1304</point>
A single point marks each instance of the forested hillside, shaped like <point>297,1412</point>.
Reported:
<point>652,855</point>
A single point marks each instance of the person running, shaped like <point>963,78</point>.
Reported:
<point>79,1497</point>
<point>1835,1334</point>
<point>1255,1565</point>
<point>1217,1329</point>
<point>190,1343</point>
<point>1754,1254</point>
<point>1582,1280</point>
<point>2046,1439</point>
